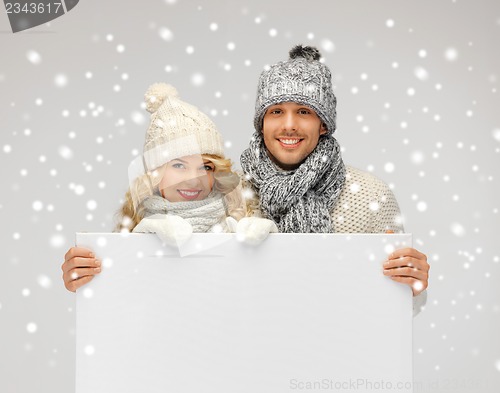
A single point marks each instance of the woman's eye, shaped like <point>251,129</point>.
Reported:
<point>177,166</point>
<point>207,168</point>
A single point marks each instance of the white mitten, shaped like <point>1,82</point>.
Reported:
<point>232,224</point>
<point>173,230</point>
<point>254,230</point>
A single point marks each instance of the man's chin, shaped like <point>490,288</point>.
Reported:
<point>288,164</point>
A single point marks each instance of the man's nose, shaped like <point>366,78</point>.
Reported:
<point>289,122</point>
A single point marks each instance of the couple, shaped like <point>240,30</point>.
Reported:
<point>293,170</point>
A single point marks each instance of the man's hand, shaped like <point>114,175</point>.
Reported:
<point>409,267</point>
<point>79,267</point>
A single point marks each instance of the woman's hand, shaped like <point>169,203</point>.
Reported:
<point>79,267</point>
<point>254,230</point>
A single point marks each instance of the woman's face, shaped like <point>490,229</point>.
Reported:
<point>188,178</point>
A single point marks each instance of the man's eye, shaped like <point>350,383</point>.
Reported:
<point>304,112</point>
<point>276,111</point>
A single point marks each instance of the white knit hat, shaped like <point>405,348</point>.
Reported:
<point>177,128</point>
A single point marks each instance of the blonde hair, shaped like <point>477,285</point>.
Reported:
<point>131,212</point>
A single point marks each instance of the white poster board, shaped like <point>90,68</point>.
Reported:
<point>299,312</point>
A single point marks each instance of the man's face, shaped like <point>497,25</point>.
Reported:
<point>291,132</point>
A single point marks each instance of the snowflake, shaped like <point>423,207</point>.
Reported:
<point>451,54</point>
<point>34,57</point>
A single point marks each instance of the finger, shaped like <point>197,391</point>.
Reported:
<point>75,274</point>
<point>416,285</point>
<point>407,261</point>
<point>389,231</point>
<point>74,285</point>
<point>80,262</point>
<point>407,252</point>
<point>78,252</point>
<point>406,272</point>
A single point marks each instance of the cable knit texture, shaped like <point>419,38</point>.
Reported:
<point>302,79</point>
<point>298,201</point>
<point>177,128</point>
<point>365,205</point>
<point>207,215</point>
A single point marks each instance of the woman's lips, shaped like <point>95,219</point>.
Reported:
<point>189,194</point>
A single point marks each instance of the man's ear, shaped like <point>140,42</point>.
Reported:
<point>323,130</point>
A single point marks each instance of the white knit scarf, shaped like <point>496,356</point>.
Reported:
<point>202,215</point>
<point>299,201</point>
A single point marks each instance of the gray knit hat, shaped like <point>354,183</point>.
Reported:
<point>302,79</point>
<point>177,128</point>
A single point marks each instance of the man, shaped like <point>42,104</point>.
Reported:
<point>294,169</point>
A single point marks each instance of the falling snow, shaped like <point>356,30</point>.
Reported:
<point>421,73</point>
<point>166,34</point>
<point>37,206</point>
<point>451,54</point>
<point>74,117</point>
<point>327,45</point>
<point>458,229</point>
<point>61,80</point>
<point>34,57</point>
<point>496,134</point>
<point>198,79</point>
<point>57,241</point>
<point>44,281</point>
<point>65,152</point>
<point>89,350</point>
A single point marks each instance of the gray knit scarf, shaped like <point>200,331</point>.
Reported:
<point>202,215</point>
<point>299,201</point>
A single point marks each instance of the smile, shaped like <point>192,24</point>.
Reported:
<point>189,194</point>
<point>289,143</point>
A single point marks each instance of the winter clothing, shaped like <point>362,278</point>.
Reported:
<point>365,205</point>
<point>302,79</point>
<point>298,201</point>
<point>173,230</point>
<point>177,128</point>
<point>207,215</point>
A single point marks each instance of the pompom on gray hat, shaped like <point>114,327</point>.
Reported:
<point>302,79</point>
<point>177,128</point>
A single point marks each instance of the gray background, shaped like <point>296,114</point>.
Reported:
<point>418,104</point>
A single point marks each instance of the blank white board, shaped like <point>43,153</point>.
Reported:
<point>300,312</point>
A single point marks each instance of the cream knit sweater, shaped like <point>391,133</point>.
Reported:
<point>365,205</point>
